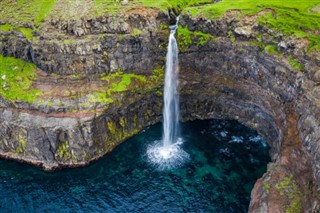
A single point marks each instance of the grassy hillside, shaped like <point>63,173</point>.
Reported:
<point>16,78</point>
<point>299,18</point>
<point>292,17</point>
<point>25,11</point>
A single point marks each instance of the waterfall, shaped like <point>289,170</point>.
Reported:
<point>170,97</point>
<point>167,153</point>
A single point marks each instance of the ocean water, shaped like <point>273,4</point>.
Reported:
<point>224,160</point>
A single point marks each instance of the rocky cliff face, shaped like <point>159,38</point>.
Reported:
<point>226,71</point>
<point>98,83</point>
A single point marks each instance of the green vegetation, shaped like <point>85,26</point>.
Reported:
<point>26,11</point>
<point>294,18</point>
<point>122,85</point>
<point>121,81</point>
<point>203,38</point>
<point>272,50</point>
<point>178,4</point>
<point>106,7</point>
<point>67,42</point>
<point>186,38</point>
<point>136,32</point>
<point>101,96</point>
<point>63,152</point>
<point>291,17</point>
<point>120,36</point>
<point>156,80</point>
<point>231,36</point>
<point>27,32</point>
<point>66,92</point>
<point>288,188</point>
<point>74,76</point>
<point>122,122</point>
<point>258,44</point>
<point>295,64</point>
<point>44,8</point>
<point>22,145</point>
<point>6,27</point>
<point>291,22</point>
<point>158,74</point>
<point>112,127</point>
<point>267,187</point>
<point>23,142</point>
<point>98,97</point>
<point>116,83</point>
<point>125,82</point>
<point>16,78</point>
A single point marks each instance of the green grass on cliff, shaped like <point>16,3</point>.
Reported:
<point>22,12</point>
<point>288,188</point>
<point>250,7</point>
<point>165,4</point>
<point>120,81</point>
<point>186,38</point>
<point>272,50</point>
<point>292,17</point>
<point>26,32</point>
<point>6,27</point>
<point>16,78</point>
<point>117,82</point>
<point>106,6</point>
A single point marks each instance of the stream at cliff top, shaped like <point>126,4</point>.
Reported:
<point>225,160</point>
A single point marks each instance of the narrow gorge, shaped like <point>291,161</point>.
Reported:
<point>82,85</point>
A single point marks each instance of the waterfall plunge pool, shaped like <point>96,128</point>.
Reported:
<point>225,159</point>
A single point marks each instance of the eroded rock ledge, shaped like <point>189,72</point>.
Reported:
<point>224,74</point>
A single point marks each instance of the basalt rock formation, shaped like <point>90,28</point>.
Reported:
<point>226,72</point>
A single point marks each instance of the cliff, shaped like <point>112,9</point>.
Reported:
<point>76,84</point>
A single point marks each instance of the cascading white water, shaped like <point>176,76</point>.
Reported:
<point>167,153</point>
<point>171,98</point>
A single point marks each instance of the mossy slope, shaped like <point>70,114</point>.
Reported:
<point>26,11</point>
<point>16,78</point>
<point>292,17</point>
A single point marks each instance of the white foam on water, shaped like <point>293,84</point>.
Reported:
<point>167,157</point>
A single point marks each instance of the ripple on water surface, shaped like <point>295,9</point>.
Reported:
<point>221,162</point>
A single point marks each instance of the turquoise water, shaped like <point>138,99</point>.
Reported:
<point>225,159</point>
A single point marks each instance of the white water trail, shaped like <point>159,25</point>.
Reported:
<point>171,97</point>
<point>167,153</point>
